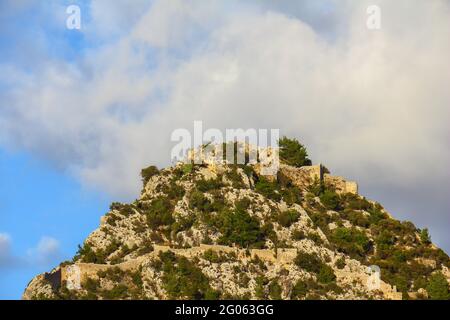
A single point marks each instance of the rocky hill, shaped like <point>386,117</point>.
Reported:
<point>225,231</point>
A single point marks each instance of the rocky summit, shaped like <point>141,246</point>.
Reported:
<point>225,231</point>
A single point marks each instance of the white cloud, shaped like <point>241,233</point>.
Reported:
<point>114,18</point>
<point>371,105</point>
<point>5,254</point>
<point>7,259</point>
<point>46,252</point>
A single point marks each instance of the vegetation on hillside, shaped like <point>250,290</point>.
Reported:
<point>293,153</point>
<point>238,207</point>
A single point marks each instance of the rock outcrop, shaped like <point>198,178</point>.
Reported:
<point>220,231</point>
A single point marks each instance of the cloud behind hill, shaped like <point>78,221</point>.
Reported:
<point>371,105</point>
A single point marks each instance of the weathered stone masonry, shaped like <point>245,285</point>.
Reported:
<point>82,271</point>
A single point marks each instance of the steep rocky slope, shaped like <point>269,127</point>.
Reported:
<point>226,232</point>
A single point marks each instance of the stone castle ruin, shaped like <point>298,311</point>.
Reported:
<point>212,157</point>
<point>73,275</point>
<point>303,177</point>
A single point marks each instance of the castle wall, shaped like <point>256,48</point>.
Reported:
<point>349,276</point>
<point>340,184</point>
<point>302,177</point>
<point>282,256</point>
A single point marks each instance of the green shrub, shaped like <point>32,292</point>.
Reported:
<point>213,257</point>
<point>351,241</point>
<point>314,236</point>
<point>188,168</point>
<point>326,274</point>
<point>124,209</point>
<point>243,204</point>
<point>320,219</point>
<point>156,237</point>
<point>114,274</point>
<point>211,294</point>
<point>243,280</point>
<point>291,195</point>
<point>183,223</point>
<point>358,219</point>
<point>298,235</point>
<point>333,287</point>
<point>210,184</point>
<point>248,170</point>
<point>260,291</point>
<point>88,255</point>
<point>119,291</point>
<point>182,279</point>
<point>257,261</point>
<point>330,200</point>
<point>293,153</point>
<point>173,191</point>
<point>300,289</point>
<point>308,262</point>
<point>385,240</point>
<point>145,247</point>
<point>425,236</point>
<point>340,263</point>
<point>88,296</point>
<point>112,219</point>
<point>268,189</point>
<point>437,287</point>
<point>355,202</point>
<point>420,283</point>
<point>275,290</point>
<point>268,232</point>
<point>197,200</point>
<point>235,178</point>
<point>376,215</point>
<point>313,296</point>
<point>136,278</point>
<point>91,285</point>
<point>238,227</point>
<point>289,192</point>
<point>148,173</point>
<point>317,187</point>
<point>160,213</point>
<point>287,218</point>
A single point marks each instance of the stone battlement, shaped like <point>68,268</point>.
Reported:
<point>77,273</point>
<point>303,177</point>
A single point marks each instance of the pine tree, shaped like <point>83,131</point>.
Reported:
<point>438,287</point>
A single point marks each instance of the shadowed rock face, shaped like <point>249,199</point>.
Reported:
<point>54,279</point>
<point>229,232</point>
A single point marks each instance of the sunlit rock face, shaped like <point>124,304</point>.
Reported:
<point>218,230</point>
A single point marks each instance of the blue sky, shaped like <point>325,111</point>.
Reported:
<point>37,201</point>
<point>82,111</point>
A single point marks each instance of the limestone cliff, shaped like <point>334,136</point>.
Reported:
<point>224,231</point>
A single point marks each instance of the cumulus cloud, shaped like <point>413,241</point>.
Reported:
<point>372,105</point>
<point>107,18</point>
<point>46,252</point>
<point>6,257</point>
